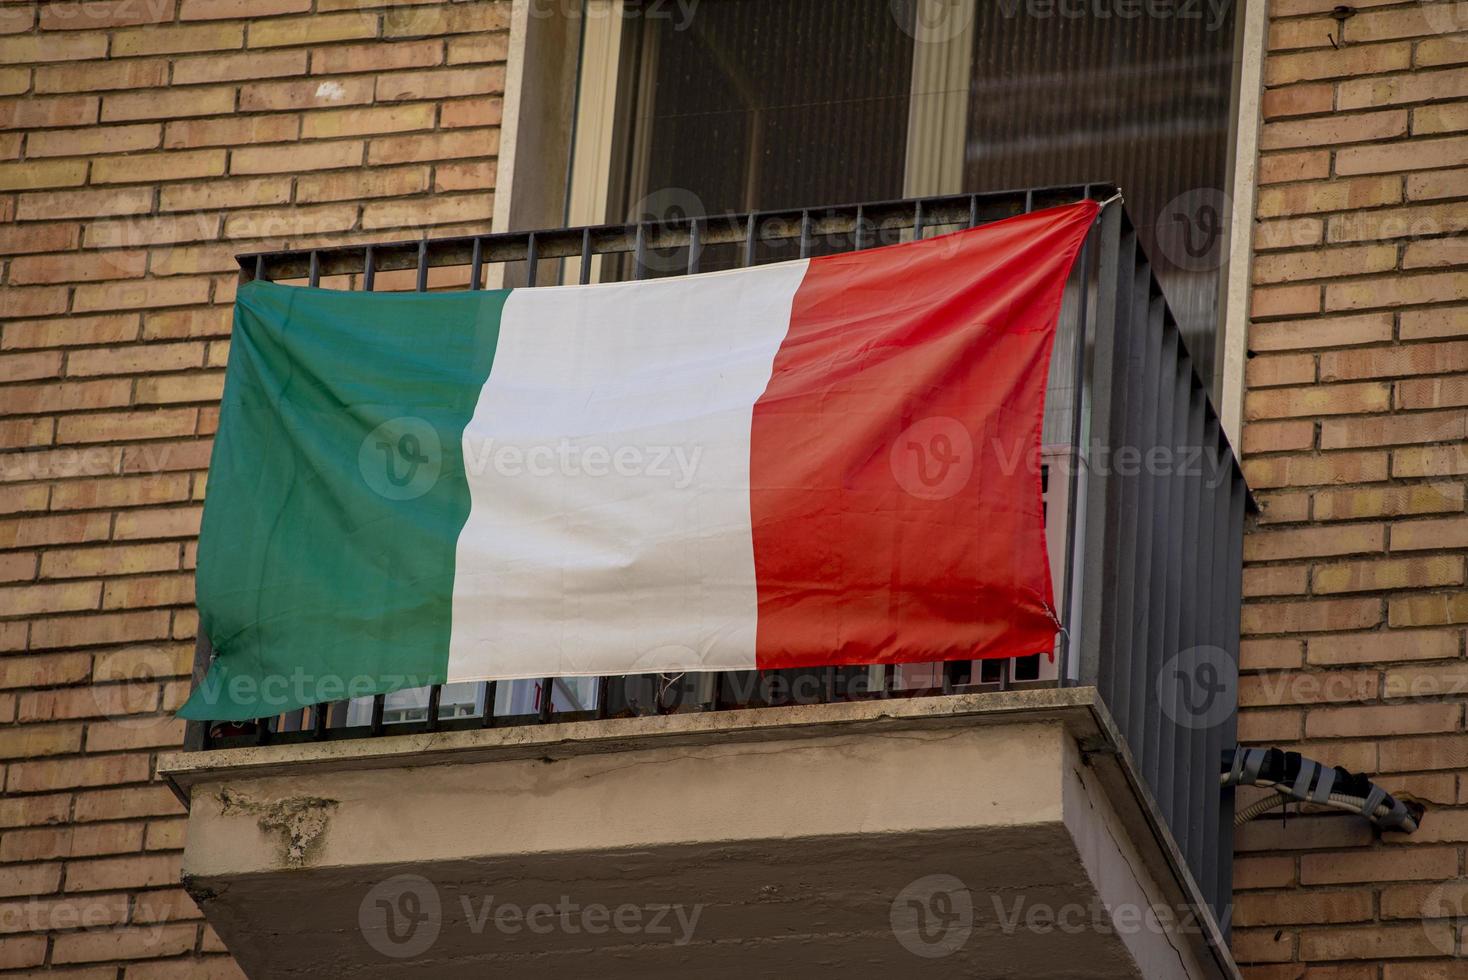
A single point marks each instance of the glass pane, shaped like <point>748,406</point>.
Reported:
<point>1141,102</point>
<point>767,104</point>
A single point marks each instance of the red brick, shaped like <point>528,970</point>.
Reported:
<point>1396,291</point>
<point>319,29</point>
<point>1391,430</point>
<point>1274,437</point>
<point>231,131</point>
<point>1319,616</point>
<point>338,59</point>
<point>293,159</point>
<point>1408,21</point>
<point>102,770</point>
<point>440,84</point>
<point>1398,157</point>
<point>238,9</point>
<point>1372,576</point>
<point>305,94</point>
<point>1428,610</point>
<point>52,47</point>
<point>181,39</point>
<point>141,871</point>
<point>1376,942</point>
<point>80,631</point>
<point>95,76</point>
<point>166,104</point>
<point>441,146</point>
<point>1365,502</point>
<point>1391,864</point>
<point>1436,534</point>
<point>119,804</point>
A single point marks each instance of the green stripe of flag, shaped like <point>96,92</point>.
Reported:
<point>341,422</point>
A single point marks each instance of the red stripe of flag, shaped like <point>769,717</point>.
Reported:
<point>896,499</point>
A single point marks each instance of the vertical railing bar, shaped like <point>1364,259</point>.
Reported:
<point>435,692</point>
<point>1128,702</point>
<point>1164,541</point>
<point>318,721</point>
<point>1120,515</point>
<point>1188,762</point>
<point>260,268</point>
<point>695,247</point>
<point>422,265</point>
<point>828,687</point>
<point>973,210</point>
<point>805,234</point>
<point>1029,201</point>
<point>379,708</point>
<point>476,265</point>
<point>640,252</point>
<point>750,230</point>
<point>1231,610</point>
<point>369,269</point>
<point>196,733</point>
<point>313,278</point>
<point>1210,581</point>
<point>532,260</point>
<point>491,692</point>
<point>603,692</point>
<point>1004,674</point>
<point>1072,502</point>
<point>547,693</point>
<point>861,228</point>
<point>1097,559</point>
<point>1178,554</point>
<point>585,256</point>
<point>917,220</point>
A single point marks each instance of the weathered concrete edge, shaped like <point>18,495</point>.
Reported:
<point>183,770</point>
<point>1079,709</point>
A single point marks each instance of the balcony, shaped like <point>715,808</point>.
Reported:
<point>809,820</point>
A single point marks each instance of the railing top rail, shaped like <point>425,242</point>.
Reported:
<point>769,226</point>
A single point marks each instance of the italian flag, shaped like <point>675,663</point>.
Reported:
<point>827,461</point>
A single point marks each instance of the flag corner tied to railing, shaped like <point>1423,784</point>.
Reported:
<point>827,461</point>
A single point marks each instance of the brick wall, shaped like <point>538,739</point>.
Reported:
<point>1355,441</point>
<point>144,143</point>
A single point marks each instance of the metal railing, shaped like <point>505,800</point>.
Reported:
<point>1145,503</point>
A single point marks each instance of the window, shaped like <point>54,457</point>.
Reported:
<point>734,105</point>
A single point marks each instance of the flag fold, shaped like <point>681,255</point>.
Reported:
<point>829,461</point>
